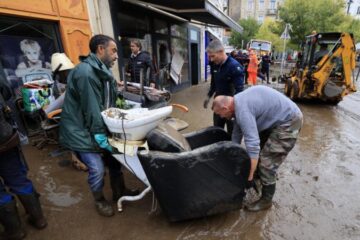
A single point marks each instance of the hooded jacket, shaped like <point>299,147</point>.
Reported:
<point>90,89</point>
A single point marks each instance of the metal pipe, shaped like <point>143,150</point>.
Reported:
<point>132,198</point>
<point>141,82</point>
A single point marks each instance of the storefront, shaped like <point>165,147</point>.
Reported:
<point>164,30</point>
<point>165,38</point>
<point>30,32</point>
<point>203,12</point>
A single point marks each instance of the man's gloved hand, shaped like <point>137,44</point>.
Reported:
<point>206,102</point>
<point>251,184</point>
<point>102,140</point>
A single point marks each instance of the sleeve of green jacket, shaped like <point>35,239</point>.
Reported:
<point>90,98</point>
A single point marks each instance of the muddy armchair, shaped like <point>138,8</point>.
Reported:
<point>195,175</point>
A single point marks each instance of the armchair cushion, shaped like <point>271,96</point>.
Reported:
<point>206,136</point>
<point>165,138</point>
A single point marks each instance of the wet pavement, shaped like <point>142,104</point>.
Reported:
<point>316,198</point>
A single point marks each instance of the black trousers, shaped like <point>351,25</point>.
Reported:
<point>220,122</point>
<point>266,74</point>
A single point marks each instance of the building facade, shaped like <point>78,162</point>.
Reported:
<point>353,8</point>
<point>257,9</point>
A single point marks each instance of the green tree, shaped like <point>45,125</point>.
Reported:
<point>265,33</point>
<point>306,16</point>
<point>351,25</point>
<point>250,26</point>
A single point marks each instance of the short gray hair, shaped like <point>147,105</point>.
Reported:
<point>215,46</point>
<point>221,101</point>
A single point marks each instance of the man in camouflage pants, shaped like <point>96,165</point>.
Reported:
<point>270,124</point>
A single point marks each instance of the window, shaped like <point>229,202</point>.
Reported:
<point>134,25</point>
<point>250,4</point>
<point>160,26</point>
<point>25,50</point>
<point>260,19</point>
<point>261,4</point>
<point>272,4</point>
<point>179,31</point>
<point>179,63</point>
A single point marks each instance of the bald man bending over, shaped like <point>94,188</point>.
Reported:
<point>270,124</point>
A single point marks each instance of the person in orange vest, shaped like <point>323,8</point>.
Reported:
<point>252,68</point>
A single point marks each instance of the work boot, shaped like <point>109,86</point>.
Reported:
<point>119,189</point>
<point>33,208</point>
<point>103,207</point>
<point>265,201</point>
<point>10,220</point>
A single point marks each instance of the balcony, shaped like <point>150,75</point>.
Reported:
<point>271,11</point>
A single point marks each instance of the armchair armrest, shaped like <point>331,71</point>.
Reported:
<point>206,136</point>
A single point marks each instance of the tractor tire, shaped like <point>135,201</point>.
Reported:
<point>294,91</point>
<point>287,88</point>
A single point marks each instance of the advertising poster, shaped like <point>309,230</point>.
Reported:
<point>25,59</point>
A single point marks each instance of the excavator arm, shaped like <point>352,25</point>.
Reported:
<point>344,50</point>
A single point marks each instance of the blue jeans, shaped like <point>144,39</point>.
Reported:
<point>13,171</point>
<point>95,163</point>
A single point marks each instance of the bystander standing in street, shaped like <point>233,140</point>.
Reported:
<point>243,59</point>
<point>227,78</point>
<point>270,124</point>
<point>91,88</point>
<point>265,66</point>
<point>140,61</point>
<point>252,69</point>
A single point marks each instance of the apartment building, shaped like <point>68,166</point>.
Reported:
<point>353,8</point>
<point>258,9</point>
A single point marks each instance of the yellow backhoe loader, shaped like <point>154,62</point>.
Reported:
<point>326,69</point>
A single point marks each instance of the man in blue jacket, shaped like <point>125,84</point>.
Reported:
<point>91,88</point>
<point>140,61</point>
<point>227,79</point>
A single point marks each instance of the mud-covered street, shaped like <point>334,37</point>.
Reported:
<point>316,198</point>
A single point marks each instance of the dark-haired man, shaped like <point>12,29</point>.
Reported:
<point>91,89</point>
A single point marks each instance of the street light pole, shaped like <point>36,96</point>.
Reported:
<point>285,35</point>
<point>349,3</point>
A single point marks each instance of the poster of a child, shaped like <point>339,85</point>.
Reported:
<point>32,59</point>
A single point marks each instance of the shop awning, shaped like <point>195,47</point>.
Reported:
<point>194,10</point>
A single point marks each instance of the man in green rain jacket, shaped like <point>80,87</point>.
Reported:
<point>91,88</point>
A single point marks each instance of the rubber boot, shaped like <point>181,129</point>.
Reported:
<point>265,202</point>
<point>33,208</point>
<point>10,220</point>
<point>119,189</point>
<point>103,207</point>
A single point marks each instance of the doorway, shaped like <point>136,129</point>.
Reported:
<point>162,61</point>
<point>194,64</point>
